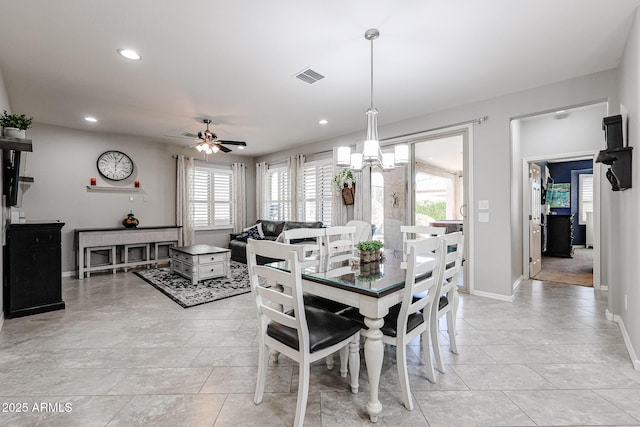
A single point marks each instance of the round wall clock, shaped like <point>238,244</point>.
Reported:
<point>115,165</point>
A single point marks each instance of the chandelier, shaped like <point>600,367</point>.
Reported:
<point>371,154</point>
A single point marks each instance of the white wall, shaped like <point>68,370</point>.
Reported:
<point>63,161</point>
<point>625,234</point>
<point>492,177</point>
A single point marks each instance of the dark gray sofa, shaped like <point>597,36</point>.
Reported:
<point>271,230</point>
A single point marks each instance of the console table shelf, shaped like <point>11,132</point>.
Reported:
<point>118,241</point>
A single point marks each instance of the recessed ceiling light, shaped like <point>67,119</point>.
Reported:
<point>130,54</point>
<point>91,119</point>
<point>323,121</point>
<point>241,147</point>
<point>561,111</point>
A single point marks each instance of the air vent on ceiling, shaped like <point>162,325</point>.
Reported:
<point>309,76</point>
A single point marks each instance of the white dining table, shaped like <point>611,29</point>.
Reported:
<point>372,289</point>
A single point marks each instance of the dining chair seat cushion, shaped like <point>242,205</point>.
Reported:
<point>442,303</point>
<point>320,302</point>
<point>325,329</point>
<point>390,327</point>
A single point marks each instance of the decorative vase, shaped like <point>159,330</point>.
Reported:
<point>130,221</point>
<point>348,194</point>
<point>367,256</point>
<point>15,133</point>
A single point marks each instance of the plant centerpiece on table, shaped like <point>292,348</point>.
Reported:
<point>15,125</point>
<point>345,183</point>
<point>369,250</point>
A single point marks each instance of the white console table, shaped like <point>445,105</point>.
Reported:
<point>111,239</point>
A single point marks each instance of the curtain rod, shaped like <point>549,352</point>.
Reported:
<point>175,156</point>
<point>478,121</point>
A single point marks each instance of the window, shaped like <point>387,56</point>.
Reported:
<point>277,194</point>
<point>586,197</point>
<point>316,191</point>
<point>212,197</point>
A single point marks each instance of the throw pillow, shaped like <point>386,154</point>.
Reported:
<point>250,233</point>
<point>259,227</point>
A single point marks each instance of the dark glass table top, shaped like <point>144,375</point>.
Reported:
<point>377,279</point>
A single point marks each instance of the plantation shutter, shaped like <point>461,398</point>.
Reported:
<point>212,201</point>
<point>277,200</point>
<point>586,197</point>
<point>316,198</point>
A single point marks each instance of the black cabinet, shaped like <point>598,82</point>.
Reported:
<point>32,269</point>
<point>560,236</point>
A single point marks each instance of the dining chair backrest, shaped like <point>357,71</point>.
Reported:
<point>339,242</point>
<point>454,252</point>
<point>425,262</point>
<point>311,239</point>
<point>412,232</point>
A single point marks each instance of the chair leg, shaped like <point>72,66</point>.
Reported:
<point>435,340</point>
<point>451,329</point>
<point>354,363</point>
<point>403,375</point>
<point>263,363</point>
<point>425,337</point>
<point>329,360</point>
<point>344,359</point>
<point>303,393</point>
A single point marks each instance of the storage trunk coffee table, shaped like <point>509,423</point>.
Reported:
<point>200,262</point>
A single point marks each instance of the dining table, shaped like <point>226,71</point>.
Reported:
<point>373,288</point>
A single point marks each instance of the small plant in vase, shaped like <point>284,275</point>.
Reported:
<point>15,125</point>
<point>369,250</point>
<point>130,221</point>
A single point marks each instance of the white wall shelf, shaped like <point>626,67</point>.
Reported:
<point>98,188</point>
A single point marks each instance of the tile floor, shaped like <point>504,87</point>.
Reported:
<point>123,354</point>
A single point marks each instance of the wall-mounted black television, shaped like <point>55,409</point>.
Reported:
<point>10,176</point>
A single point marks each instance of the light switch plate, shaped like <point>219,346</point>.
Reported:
<point>483,217</point>
<point>483,204</point>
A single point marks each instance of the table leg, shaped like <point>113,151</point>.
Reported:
<point>373,355</point>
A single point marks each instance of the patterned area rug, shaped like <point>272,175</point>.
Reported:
<point>187,295</point>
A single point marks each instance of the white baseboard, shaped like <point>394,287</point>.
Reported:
<point>507,298</point>
<point>627,341</point>
<point>517,283</point>
<point>1,320</point>
<point>69,273</point>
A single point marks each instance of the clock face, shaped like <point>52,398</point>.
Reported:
<point>115,165</point>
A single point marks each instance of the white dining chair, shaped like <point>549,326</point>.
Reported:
<point>447,302</point>
<point>412,232</point>
<point>413,316</point>
<point>339,243</point>
<point>363,230</point>
<point>303,333</point>
<point>311,239</point>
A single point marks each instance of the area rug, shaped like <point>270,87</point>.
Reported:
<point>582,279</point>
<point>187,295</point>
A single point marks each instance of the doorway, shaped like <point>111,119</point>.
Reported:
<point>562,203</point>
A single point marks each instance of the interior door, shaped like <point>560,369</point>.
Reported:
<point>535,228</point>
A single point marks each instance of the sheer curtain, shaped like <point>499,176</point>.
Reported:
<point>239,196</point>
<point>362,202</point>
<point>184,176</point>
<point>295,170</point>
<point>262,169</point>
<point>338,208</point>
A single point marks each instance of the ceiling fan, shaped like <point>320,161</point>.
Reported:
<point>210,143</point>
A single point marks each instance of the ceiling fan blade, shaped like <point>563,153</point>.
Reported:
<point>222,141</point>
<point>223,148</point>
<point>190,135</point>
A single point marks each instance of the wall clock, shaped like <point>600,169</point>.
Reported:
<point>115,165</point>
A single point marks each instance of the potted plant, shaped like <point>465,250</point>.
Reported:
<point>345,183</point>
<point>369,250</point>
<point>15,125</point>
